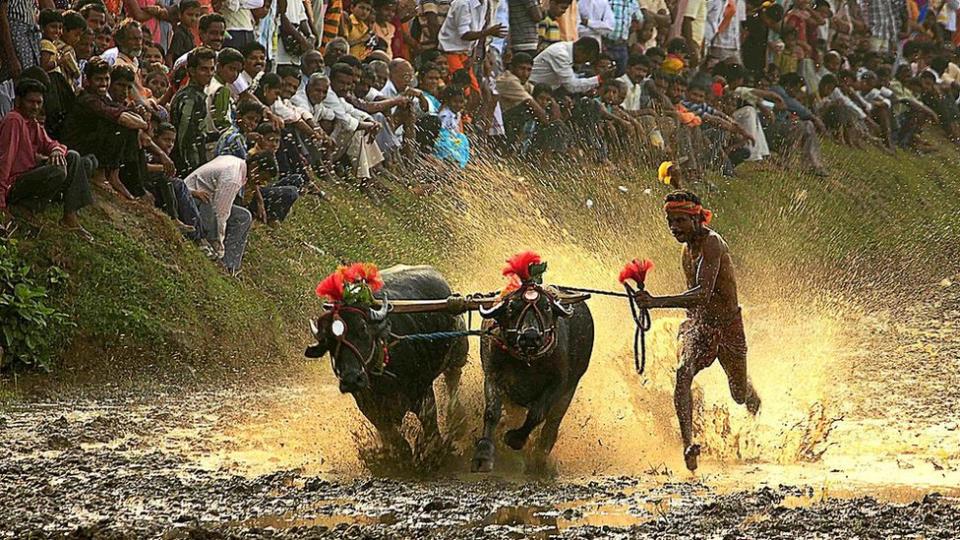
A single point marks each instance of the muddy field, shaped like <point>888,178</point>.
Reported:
<point>870,448</point>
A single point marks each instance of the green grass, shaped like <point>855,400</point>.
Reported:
<point>140,295</point>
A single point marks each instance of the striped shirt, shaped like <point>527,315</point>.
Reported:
<point>548,31</point>
<point>624,13</point>
<point>22,11</point>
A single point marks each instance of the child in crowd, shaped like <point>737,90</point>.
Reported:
<point>452,144</point>
<point>384,30</point>
<point>186,34</point>
<point>356,28</point>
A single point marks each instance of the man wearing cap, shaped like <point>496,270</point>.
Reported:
<point>714,326</point>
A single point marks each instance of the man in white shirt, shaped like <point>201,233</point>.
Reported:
<point>215,185</point>
<point>464,29</point>
<point>721,33</point>
<point>554,66</point>
<point>354,131</point>
<point>239,19</point>
<point>596,19</point>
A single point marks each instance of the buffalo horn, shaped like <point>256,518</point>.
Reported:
<point>493,312</point>
<point>314,331</point>
<point>380,314</point>
<point>562,310</point>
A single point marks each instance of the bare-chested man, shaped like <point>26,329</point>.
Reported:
<point>714,328</point>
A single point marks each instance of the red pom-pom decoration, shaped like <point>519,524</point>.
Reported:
<point>636,270</point>
<point>519,265</point>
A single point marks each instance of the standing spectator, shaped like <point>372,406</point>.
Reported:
<point>464,31</point>
<point>188,112</point>
<point>356,29</point>
<point>757,29</point>
<point>596,19</point>
<point>722,32</point>
<point>219,100</point>
<point>95,13</point>
<point>238,17</point>
<point>74,28</point>
<point>295,35</point>
<point>186,35</point>
<point>523,16</point>
<point>431,15</point>
<point>35,167</point>
<point>626,13</point>
<point>19,37</point>
<point>881,18</point>
<point>383,29</point>
<point>452,144</point>
<point>548,29</point>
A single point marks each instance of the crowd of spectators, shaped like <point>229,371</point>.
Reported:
<point>222,112</point>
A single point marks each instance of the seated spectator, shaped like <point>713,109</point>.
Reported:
<point>910,111</point>
<point>233,141</point>
<point>725,138</point>
<point>104,126</point>
<point>254,63</point>
<point>188,112</point>
<point>169,192</point>
<point>34,167</point>
<point>354,127</point>
<point>74,29</point>
<point>452,144</point>
<point>796,126</point>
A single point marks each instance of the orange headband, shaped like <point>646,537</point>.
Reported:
<point>689,208</point>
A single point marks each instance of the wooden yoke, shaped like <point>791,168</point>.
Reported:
<point>457,305</point>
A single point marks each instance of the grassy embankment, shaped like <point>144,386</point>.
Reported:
<point>146,302</point>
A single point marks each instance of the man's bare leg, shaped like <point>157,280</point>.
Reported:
<point>741,389</point>
<point>683,402</point>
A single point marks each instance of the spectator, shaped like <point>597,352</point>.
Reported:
<point>523,17</point>
<point>626,14</point>
<point>548,29</point>
<point>757,29</point>
<point>74,28</point>
<point>189,110</point>
<point>357,31</point>
<point>796,126</point>
<point>267,200</point>
<point>103,126</point>
<point>296,37</point>
<point>254,63</point>
<point>722,31</point>
<point>554,66</point>
<point>353,127</point>
<point>19,38</point>
<point>171,193</point>
<point>238,18</point>
<point>452,144</point>
<point>596,19</point>
<point>215,185</point>
<point>431,14</point>
<point>219,100</point>
<point>186,35</point>
<point>384,30</point>
<point>60,97</point>
<point>95,14</point>
<point>464,26</point>
<point>34,167</point>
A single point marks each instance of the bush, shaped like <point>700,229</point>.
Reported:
<point>30,326</point>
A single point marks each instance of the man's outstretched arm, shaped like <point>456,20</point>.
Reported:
<point>707,273</point>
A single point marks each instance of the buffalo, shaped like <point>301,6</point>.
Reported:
<point>388,376</point>
<point>539,349</point>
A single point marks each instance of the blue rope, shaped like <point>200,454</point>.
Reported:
<point>440,336</point>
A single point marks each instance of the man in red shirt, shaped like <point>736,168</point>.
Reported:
<point>35,167</point>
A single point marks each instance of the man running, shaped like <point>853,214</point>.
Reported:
<point>714,327</point>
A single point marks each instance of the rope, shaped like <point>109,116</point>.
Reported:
<point>641,318</point>
<point>439,336</point>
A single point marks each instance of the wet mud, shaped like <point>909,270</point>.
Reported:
<point>272,462</point>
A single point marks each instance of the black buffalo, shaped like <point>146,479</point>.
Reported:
<point>407,381</point>
<point>540,350</point>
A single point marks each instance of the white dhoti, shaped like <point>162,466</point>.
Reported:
<point>363,153</point>
<point>748,118</point>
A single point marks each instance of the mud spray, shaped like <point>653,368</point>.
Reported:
<point>804,348</point>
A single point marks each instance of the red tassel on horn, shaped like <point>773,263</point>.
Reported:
<point>331,287</point>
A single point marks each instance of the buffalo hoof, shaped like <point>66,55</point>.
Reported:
<point>515,439</point>
<point>482,457</point>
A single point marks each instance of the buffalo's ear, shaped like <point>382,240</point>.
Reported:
<point>315,351</point>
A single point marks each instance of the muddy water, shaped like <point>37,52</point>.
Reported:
<point>857,435</point>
